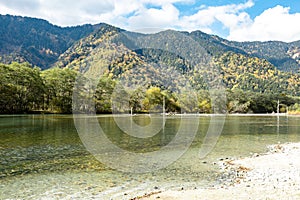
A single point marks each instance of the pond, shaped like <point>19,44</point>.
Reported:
<point>44,156</point>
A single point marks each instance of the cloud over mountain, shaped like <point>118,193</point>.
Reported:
<point>231,20</point>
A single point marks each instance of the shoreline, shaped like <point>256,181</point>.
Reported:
<point>141,114</point>
<point>271,175</point>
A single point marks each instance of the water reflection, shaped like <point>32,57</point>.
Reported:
<point>33,147</point>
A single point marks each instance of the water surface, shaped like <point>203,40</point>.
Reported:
<point>42,156</point>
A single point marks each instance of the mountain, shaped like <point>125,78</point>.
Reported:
<point>255,66</point>
<point>36,41</point>
<point>82,48</point>
<point>151,67</point>
<point>285,56</point>
<point>160,60</point>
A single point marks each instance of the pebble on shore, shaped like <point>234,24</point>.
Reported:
<point>273,175</point>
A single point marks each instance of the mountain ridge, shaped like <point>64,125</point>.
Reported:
<point>255,75</point>
<point>33,40</point>
<point>153,59</point>
<point>26,39</point>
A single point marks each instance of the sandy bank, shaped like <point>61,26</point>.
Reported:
<point>274,175</point>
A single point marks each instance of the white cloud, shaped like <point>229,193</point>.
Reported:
<point>20,5</point>
<point>156,18</point>
<point>124,13</point>
<point>273,24</point>
<point>144,14</point>
<point>67,12</point>
<point>229,15</point>
<point>72,12</point>
<point>163,2</point>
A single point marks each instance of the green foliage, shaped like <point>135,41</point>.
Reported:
<point>170,59</point>
<point>280,54</point>
<point>254,74</point>
<point>103,95</point>
<point>43,44</point>
<point>59,84</point>
<point>204,100</point>
<point>247,70</point>
<point>21,88</point>
<point>36,41</point>
<point>214,45</point>
<point>74,57</point>
<point>26,89</point>
<point>295,109</point>
<point>239,101</point>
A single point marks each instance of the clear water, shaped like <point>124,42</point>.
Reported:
<point>42,156</point>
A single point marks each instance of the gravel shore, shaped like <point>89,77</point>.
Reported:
<point>273,175</point>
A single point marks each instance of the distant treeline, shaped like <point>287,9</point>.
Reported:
<point>24,89</point>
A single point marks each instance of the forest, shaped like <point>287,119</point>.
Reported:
<point>27,89</point>
<point>42,64</point>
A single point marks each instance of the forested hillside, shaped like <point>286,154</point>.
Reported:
<point>24,39</point>
<point>38,42</point>
<point>284,56</point>
<point>237,70</point>
<point>25,89</point>
<point>255,75</point>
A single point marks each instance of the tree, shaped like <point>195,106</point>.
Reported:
<point>59,84</point>
<point>103,95</point>
<point>21,88</point>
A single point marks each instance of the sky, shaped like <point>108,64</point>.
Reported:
<point>239,20</point>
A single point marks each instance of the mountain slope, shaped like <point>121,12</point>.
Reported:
<point>137,64</point>
<point>83,48</point>
<point>285,56</point>
<point>35,40</point>
<point>257,75</point>
<point>41,43</point>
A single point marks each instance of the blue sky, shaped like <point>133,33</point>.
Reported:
<point>240,20</point>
